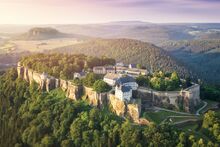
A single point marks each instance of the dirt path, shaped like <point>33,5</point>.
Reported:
<point>205,104</point>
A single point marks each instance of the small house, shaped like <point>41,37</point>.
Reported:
<point>79,75</point>
<point>104,69</point>
<point>132,66</point>
<point>111,78</point>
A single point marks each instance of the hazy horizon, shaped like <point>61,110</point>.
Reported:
<point>103,11</point>
<point>108,22</point>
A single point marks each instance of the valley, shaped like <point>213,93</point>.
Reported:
<point>202,56</point>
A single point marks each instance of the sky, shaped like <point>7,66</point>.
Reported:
<point>100,11</point>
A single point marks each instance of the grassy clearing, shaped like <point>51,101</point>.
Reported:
<point>190,127</point>
<point>161,115</point>
<point>41,45</point>
<point>7,47</point>
<point>178,119</point>
<point>211,104</point>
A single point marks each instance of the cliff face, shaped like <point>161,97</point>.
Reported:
<point>94,98</point>
<point>186,99</point>
<point>47,83</point>
<point>118,106</point>
<point>134,111</point>
<point>122,108</point>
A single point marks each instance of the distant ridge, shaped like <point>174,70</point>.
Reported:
<point>128,23</point>
<point>39,33</point>
<point>203,57</point>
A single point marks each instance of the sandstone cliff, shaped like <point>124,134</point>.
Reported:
<point>123,108</point>
<point>118,106</point>
<point>47,83</point>
<point>94,98</point>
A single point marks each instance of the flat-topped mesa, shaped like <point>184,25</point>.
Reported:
<point>129,105</point>
<point>48,83</point>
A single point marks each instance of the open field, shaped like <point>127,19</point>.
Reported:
<point>162,115</point>
<point>210,105</point>
<point>7,47</point>
<point>41,45</point>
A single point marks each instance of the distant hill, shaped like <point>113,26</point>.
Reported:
<point>148,32</point>
<point>203,56</point>
<point>128,51</point>
<point>155,33</point>
<point>127,23</point>
<point>210,35</point>
<point>144,31</point>
<point>45,33</point>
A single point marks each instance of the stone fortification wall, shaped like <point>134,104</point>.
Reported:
<point>186,99</point>
<point>47,83</point>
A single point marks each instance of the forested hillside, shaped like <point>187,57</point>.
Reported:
<point>128,51</point>
<point>203,56</point>
<point>29,117</point>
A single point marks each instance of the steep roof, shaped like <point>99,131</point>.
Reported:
<point>125,79</point>
<point>125,88</point>
<point>82,73</point>
<point>112,76</point>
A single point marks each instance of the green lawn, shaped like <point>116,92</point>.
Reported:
<point>161,115</point>
<point>178,119</point>
<point>210,105</point>
<point>190,127</point>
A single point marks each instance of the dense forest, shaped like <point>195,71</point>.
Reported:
<point>201,56</point>
<point>29,117</point>
<point>210,92</point>
<point>63,65</point>
<point>128,51</point>
<point>163,81</point>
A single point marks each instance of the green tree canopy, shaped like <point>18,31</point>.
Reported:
<point>100,86</point>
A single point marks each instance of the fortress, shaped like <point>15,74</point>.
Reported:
<point>142,98</point>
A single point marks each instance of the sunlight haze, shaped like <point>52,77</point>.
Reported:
<point>96,11</point>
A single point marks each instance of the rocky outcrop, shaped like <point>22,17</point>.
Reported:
<point>122,108</point>
<point>94,98</point>
<point>119,107</point>
<point>48,83</point>
<point>134,110</point>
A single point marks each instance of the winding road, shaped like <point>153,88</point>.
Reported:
<point>183,113</point>
<point>205,104</point>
